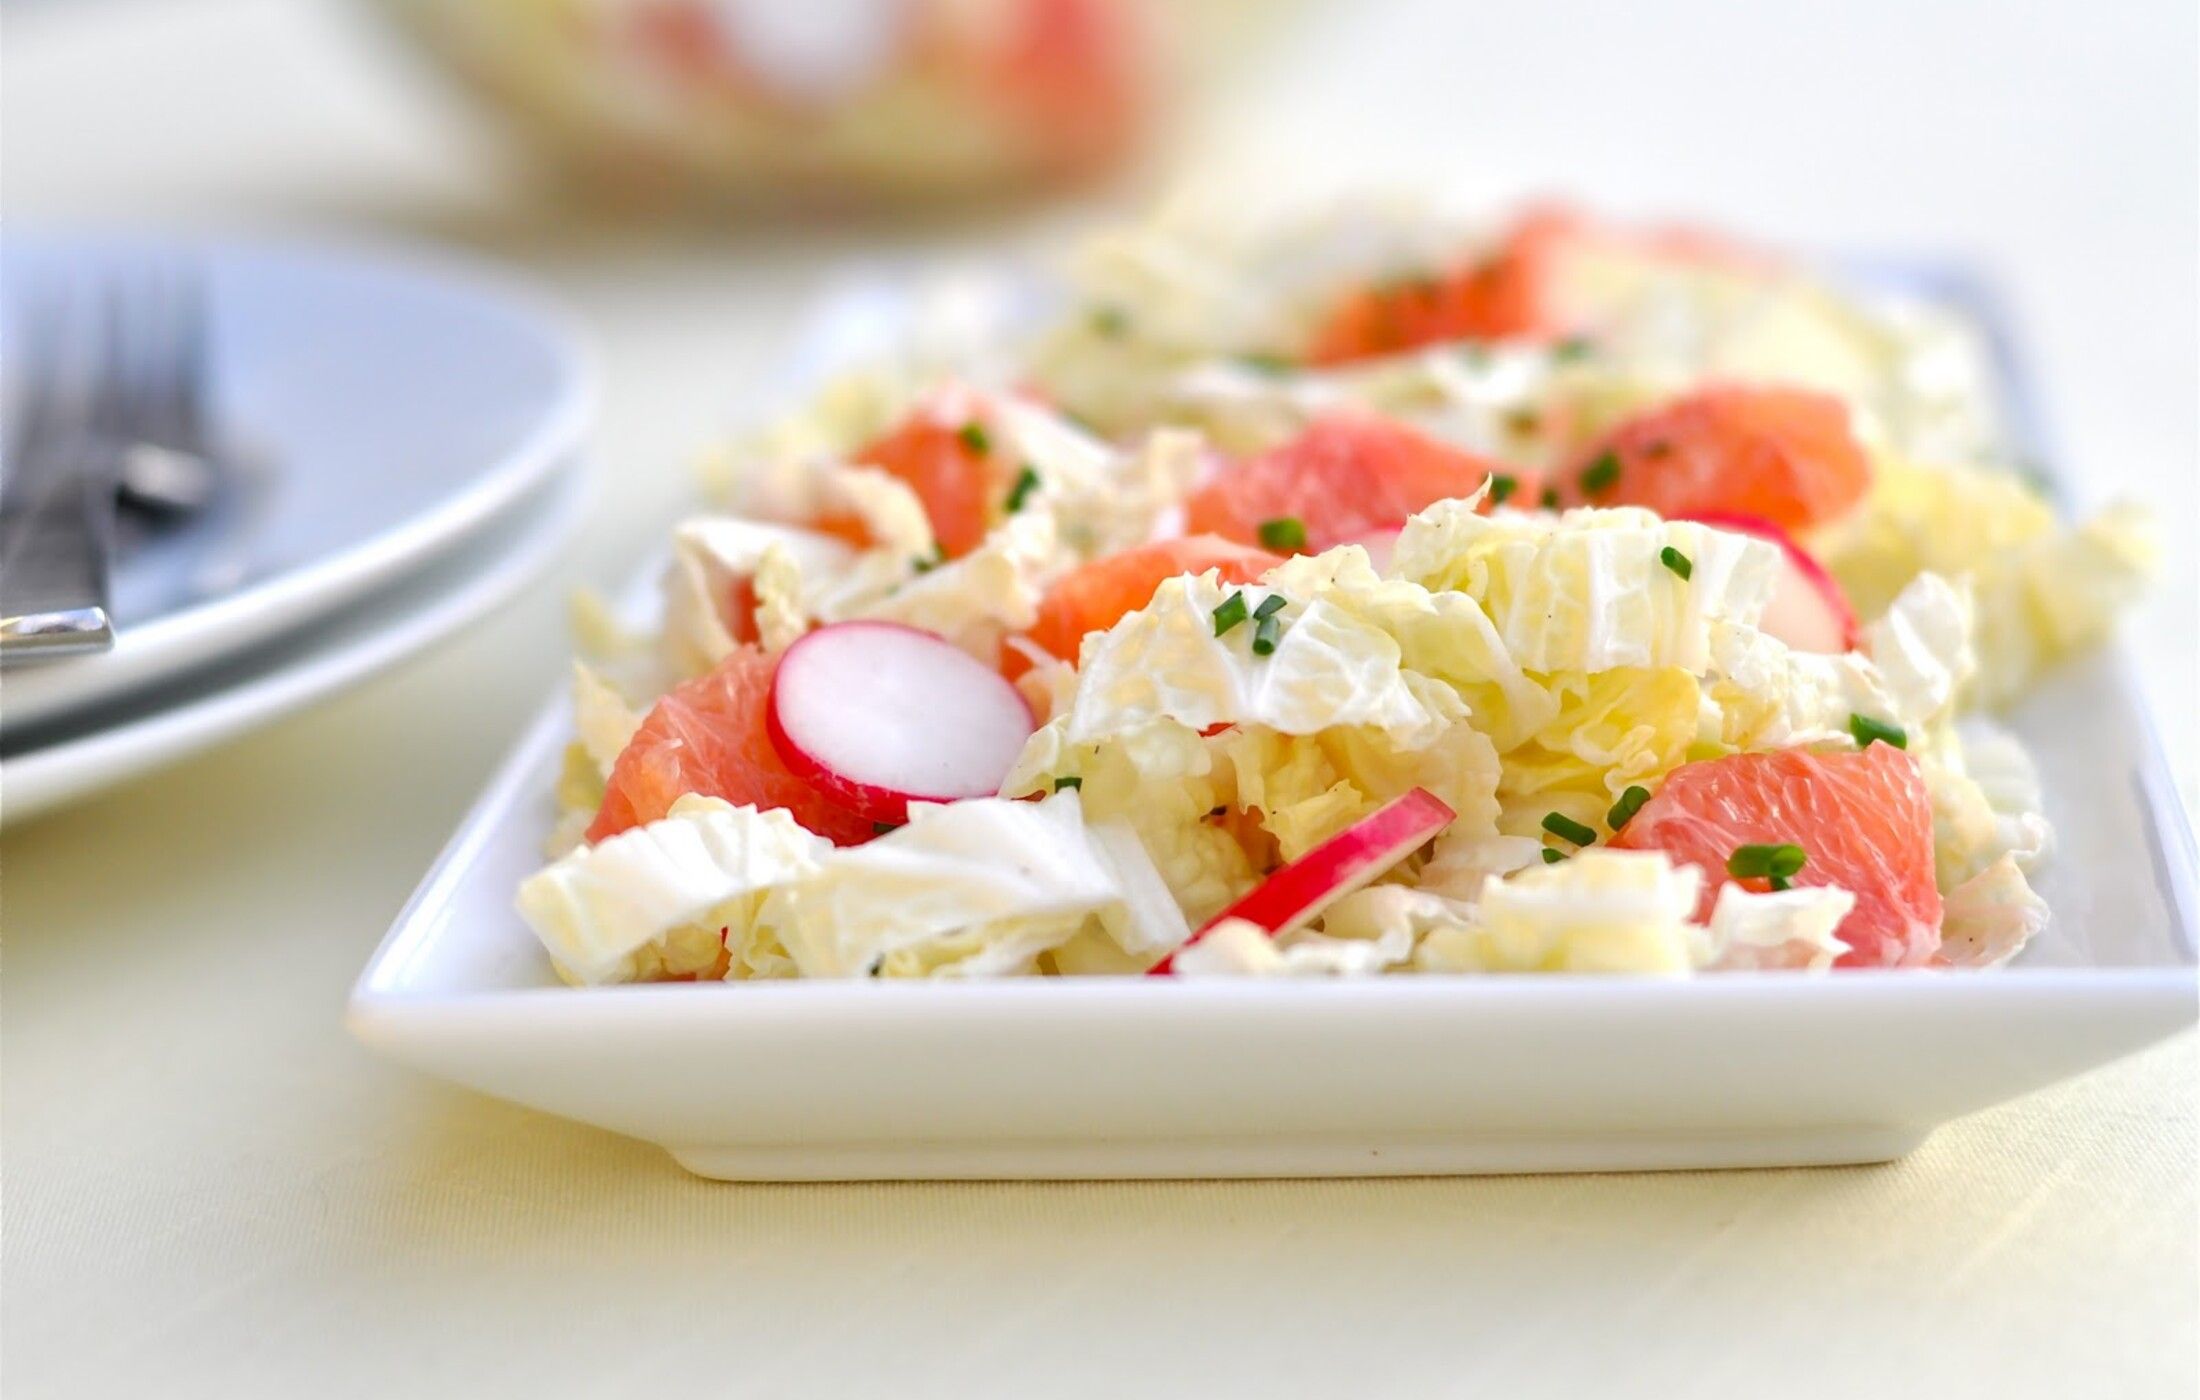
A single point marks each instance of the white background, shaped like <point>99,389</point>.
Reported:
<point>209,1191</point>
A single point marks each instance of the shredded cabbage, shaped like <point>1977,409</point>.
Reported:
<point>2042,589</point>
<point>667,899</point>
<point>969,889</point>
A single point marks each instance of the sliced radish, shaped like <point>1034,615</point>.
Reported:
<point>1296,895</point>
<point>1379,543</point>
<point>876,715</point>
<point>1808,610</point>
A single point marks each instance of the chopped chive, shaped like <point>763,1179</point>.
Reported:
<point>1603,473</point>
<point>1027,481</point>
<point>1549,499</point>
<point>1266,633</point>
<point>1779,882</point>
<point>1270,605</point>
<point>926,563</point>
<point>975,437</point>
<point>1552,855</point>
<point>1623,811</point>
<point>1110,321</point>
<point>1502,488</point>
<point>1678,562</point>
<point>1071,782</point>
<point>1264,362</point>
<point>1576,347</point>
<point>1230,614</point>
<point>1777,862</point>
<point>1866,729</point>
<point>1285,532</point>
<point>1566,828</point>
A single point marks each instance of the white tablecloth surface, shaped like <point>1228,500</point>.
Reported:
<point>208,1190</point>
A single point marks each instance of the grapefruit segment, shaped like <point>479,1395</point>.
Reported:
<point>1510,293</point>
<point>1094,597</point>
<point>1863,819</point>
<point>710,736</point>
<point>1345,475</point>
<point>1784,455</point>
<point>952,468</point>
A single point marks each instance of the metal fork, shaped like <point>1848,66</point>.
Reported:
<point>158,360</point>
<point>56,491</point>
<point>114,373</point>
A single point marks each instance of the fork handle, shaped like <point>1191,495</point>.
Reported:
<point>61,632</point>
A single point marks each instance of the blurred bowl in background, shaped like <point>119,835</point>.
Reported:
<point>867,101</point>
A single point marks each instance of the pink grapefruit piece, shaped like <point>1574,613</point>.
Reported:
<point>1863,819</point>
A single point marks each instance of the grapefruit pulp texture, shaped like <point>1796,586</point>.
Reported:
<point>1863,819</point>
<point>1785,455</point>
<point>1346,474</point>
<point>954,472</point>
<point>1509,293</point>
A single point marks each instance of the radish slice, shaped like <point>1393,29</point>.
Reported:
<point>1296,895</point>
<point>1808,610</point>
<point>876,715</point>
<point>1379,543</point>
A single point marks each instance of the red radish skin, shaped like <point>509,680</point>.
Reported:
<point>877,715</point>
<point>1296,895</point>
<point>1808,610</point>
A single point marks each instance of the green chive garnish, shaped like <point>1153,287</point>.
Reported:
<point>1867,730</point>
<point>1285,532</point>
<point>1775,863</point>
<point>1027,481</point>
<point>1263,362</point>
<point>1550,498</point>
<point>1566,828</point>
<point>1678,562</point>
<point>1266,633</point>
<point>926,563</point>
<point>1623,811</point>
<point>1110,321</point>
<point>1230,614</point>
<point>1060,783</point>
<point>1602,474</point>
<point>975,437</point>
<point>1573,348</point>
<point>1502,488</point>
<point>1552,856</point>
<point>1269,606</point>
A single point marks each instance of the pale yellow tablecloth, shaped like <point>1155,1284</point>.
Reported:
<point>209,1191</point>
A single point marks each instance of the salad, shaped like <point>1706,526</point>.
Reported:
<point>1373,594</point>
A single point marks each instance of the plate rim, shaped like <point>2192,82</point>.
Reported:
<point>165,647</point>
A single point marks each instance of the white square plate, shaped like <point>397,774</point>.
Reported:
<point>1385,1076</point>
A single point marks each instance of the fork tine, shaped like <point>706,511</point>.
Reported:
<point>191,358</point>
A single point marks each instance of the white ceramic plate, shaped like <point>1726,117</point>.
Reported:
<point>1401,1075</point>
<point>287,676</point>
<point>405,401</point>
